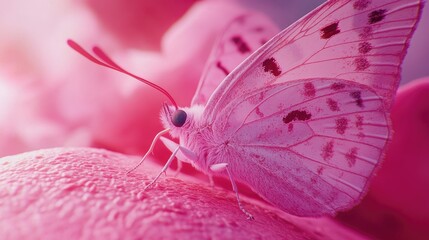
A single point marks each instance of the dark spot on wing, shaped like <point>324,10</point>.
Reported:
<point>258,111</point>
<point>341,125</point>
<point>361,63</point>
<point>290,127</point>
<point>297,115</point>
<point>309,89</point>
<point>222,68</point>
<point>332,104</point>
<point>364,47</point>
<point>240,44</point>
<point>271,65</point>
<point>361,135</point>
<point>359,122</point>
<point>361,4</point>
<point>329,31</point>
<point>328,150</point>
<point>366,32</point>
<point>337,86</point>
<point>376,16</point>
<point>356,95</point>
<point>261,96</point>
<point>320,170</point>
<point>351,156</point>
<point>263,41</point>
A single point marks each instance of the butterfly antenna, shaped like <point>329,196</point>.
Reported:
<point>106,61</point>
<point>166,111</point>
<point>152,145</point>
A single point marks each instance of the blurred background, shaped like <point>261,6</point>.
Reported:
<point>50,96</point>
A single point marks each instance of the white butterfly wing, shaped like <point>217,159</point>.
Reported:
<point>362,40</point>
<point>305,118</point>
<point>241,38</point>
<point>308,154</point>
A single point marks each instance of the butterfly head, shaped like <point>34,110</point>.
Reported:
<point>175,117</point>
<point>178,118</point>
<point>181,120</point>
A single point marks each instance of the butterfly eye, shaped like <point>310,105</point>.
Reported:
<point>179,118</point>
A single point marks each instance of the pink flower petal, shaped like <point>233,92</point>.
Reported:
<point>85,193</point>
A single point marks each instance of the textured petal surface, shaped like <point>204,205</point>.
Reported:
<point>85,194</point>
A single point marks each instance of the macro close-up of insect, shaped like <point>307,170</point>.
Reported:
<point>311,131</point>
<point>305,118</point>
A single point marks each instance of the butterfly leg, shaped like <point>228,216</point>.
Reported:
<point>152,145</point>
<point>179,168</point>
<point>164,169</point>
<point>211,181</point>
<point>184,155</point>
<point>224,166</point>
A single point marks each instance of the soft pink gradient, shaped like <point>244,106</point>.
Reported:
<point>144,23</point>
<point>50,96</point>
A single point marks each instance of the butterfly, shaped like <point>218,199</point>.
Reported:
<point>304,118</point>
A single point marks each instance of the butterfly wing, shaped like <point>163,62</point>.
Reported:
<point>306,115</point>
<point>241,38</point>
<point>308,154</point>
<point>362,40</point>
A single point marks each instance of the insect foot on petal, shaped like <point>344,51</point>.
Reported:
<point>235,189</point>
<point>164,169</point>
